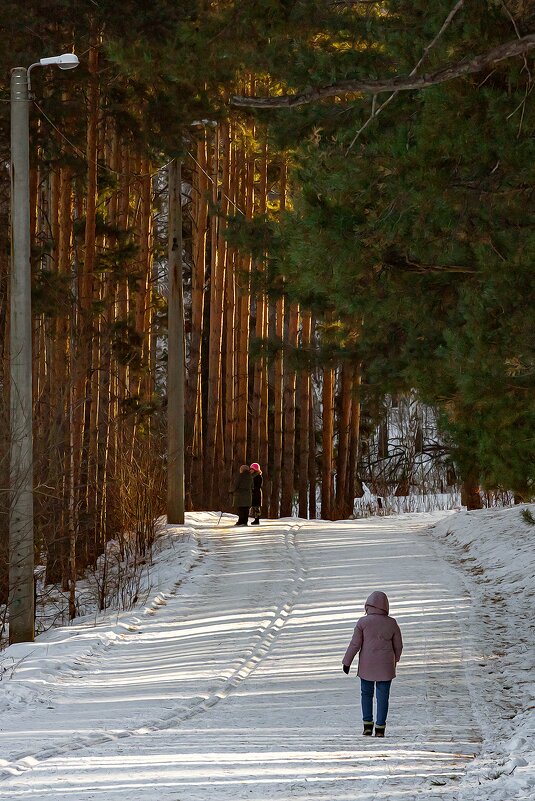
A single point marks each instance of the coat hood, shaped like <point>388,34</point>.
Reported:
<point>377,603</point>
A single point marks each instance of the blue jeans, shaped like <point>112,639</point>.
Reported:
<point>382,694</point>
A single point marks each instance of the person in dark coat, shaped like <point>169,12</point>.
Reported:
<point>242,493</point>
<point>256,503</point>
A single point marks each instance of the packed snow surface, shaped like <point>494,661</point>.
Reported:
<point>228,684</point>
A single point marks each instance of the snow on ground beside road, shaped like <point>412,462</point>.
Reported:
<point>496,549</point>
<point>228,684</point>
<point>36,664</point>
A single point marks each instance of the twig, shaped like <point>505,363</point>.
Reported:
<point>427,50</point>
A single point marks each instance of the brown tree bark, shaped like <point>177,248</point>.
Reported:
<point>82,402</point>
<point>341,510</point>
<point>231,326</point>
<point>244,306</point>
<point>312,478</point>
<point>288,455</point>
<point>217,282</point>
<point>304,418</point>
<point>470,494</point>
<point>327,443</point>
<point>278,373</point>
<point>259,414</point>
<point>194,419</point>
<point>354,441</point>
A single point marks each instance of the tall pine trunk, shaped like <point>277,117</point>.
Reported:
<point>217,282</point>
<point>304,418</point>
<point>354,440</point>
<point>341,510</point>
<point>327,442</point>
<point>194,418</point>
<point>244,310</point>
<point>278,379</point>
<point>288,455</point>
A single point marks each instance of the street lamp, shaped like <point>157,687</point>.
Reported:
<point>21,581</point>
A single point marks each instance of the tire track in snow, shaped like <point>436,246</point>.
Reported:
<point>266,635</point>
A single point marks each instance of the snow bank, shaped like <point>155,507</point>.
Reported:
<point>496,549</point>
<point>37,664</point>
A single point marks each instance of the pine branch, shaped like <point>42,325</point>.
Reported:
<point>399,84</point>
<point>377,110</point>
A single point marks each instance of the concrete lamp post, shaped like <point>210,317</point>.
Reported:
<point>21,560</point>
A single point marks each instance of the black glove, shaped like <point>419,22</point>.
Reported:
<point>345,668</point>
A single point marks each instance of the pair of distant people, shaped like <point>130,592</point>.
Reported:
<point>247,494</point>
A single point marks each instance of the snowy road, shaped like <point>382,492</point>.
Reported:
<point>230,685</point>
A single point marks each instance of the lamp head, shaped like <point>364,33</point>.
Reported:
<point>67,61</point>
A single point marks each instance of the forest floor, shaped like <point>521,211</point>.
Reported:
<point>228,684</point>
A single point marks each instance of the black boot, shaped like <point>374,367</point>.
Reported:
<point>380,731</point>
<point>256,521</point>
<point>368,728</point>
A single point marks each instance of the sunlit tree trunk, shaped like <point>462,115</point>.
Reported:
<point>344,436</point>
<point>278,374</point>
<point>61,369</point>
<point>288,454</point>
<point>304,418</point>
<point>312,479</point>
<point>353,458</point>
<point>327,442</point>
<point>259,411</point>
<point>244,306</point>
<point>231,322</point>
<point>217,282</point>
<point>194,418</point>
<point>82,404</point>
<point>144,309</point>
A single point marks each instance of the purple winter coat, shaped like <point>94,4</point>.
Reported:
<point>378,638</point>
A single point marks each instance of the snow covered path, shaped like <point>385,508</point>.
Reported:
<point>230,686</point>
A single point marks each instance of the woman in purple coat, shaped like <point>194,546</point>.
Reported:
<point>378,638</point>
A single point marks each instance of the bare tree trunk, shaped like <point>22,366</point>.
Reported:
<point>82,405</point>
<point>61,370</point>
<point>354,439</point>
<point>231,322</point>
<point>288,455</point>
<point>217,283</point>
<point>278,391</point>
<point>278,378</point>
<point>244,301</point>
<point>259,406</point>
<point>344,435</point>
<point>304,418</point>
<point>176,352</point>
<point>470,494</point>
<point>143,310</point>
<point>327,443</point>
<point>194,421</point>
<point>312,480</point>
